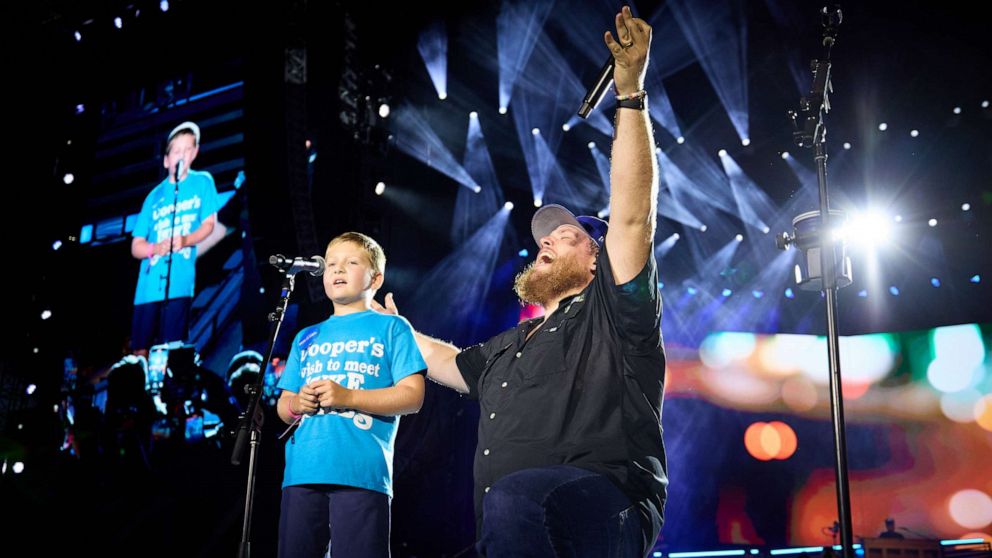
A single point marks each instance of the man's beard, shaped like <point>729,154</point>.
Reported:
<point>541,287</point>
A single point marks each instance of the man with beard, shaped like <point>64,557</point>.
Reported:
<point>570,459</point>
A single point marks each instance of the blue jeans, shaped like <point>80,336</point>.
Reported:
<point>558,511</point>
<point>354,520</point>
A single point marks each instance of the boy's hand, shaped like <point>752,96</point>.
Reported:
<point>306,402</point>
<point>331,395</point>
<point>390,307</point>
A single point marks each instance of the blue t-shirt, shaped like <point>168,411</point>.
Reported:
<point>364,350</point>
<point>197,201</point>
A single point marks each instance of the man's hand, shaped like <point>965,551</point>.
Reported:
<point>630,52</point>
<point>331,395</point>
<point>389,309</point>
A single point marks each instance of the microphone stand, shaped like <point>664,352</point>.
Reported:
<point>250,424</point>
<point>813,133</point>
<point>168,264</point>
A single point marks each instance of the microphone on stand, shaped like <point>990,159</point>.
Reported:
<point>179,170</point>
<point>314,265</point>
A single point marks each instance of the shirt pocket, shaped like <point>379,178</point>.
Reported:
<point>547,353</point>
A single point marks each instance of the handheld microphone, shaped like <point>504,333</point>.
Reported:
<point>313,265</point>
<point>598,90</point>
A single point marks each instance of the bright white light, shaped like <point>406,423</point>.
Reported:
<point>473,114</point>
<point>46,314</point>
<point>766,230</point>
<point>739,238</point>
<point>380,188</point>
<point>477,189</point>
<point>78,36</point>
<point>785,154</point>
<point>537,202</point>
<point>35,350</point>
<point>897,218</point>
<point>959,353</point>
<point>722,153</point>
<point>720,349</point>
<point>847,145</point>
<point>535,131</point>
<point>676,236</point>
<point>932,222</point>
<point>702,228</point>
<point>591,144</point>
<point>31,389</point>
<point>965,206</point>
<point>442,95</point>
<point>164,5</point>
<point>970,508</point>
<point>746,142</point>
<point>957,110</point>
<point>985,104</point>
<point>565,127</point>
<point>883,127</point>
<point>914,133</point>
<point>118,22</point>
<point>680,140</point>
<point>799,274</point>
<point>68,178</point>
<point>56,245</point>
<point>18,467</point>
<point>508,206</point>
<point>261,290</point>
<point>383,110</point>
<point>867,229</point>
<point>502,110</point>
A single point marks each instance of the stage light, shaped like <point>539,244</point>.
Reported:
<point>35,350</point>
<point>976,279</point>
<point>757,294</point>
<point>680,140</point>
<point>535,131</point>
<point>30,389</point>
<point>914,133</point>
<point>897,218</point>
<point>523,253</point>
<point>869,229</point>
<point>727,292</point>
<point>691,291</point>
<point>56,245</point>
<point>985,104</point>
<point>442,95</point>
<point>502,110</point>
<point>473,114</point>
<point>164,5</point>
<point>789,293</point>
<point>935,282</point>
<point>80,108</point>
<point>565,127</point>
<point>591,145</point>
<point>508,206</point>
<point>932,222</point>
<point>965,206</point>
<point>957,110</point>
<point>766,230</point>
<point>847,145</point>
<point>312,157</point>
<point>863,293</point>
<point>383,110</point>
<point>883,127</point>
<point>894,290</point>
<point>722,153</point>
<point>537,202</point>
<point>118,23</point>
<point>702,228</point>
<point>46,314</point>
<point>18,467</point>
<point>261,290</point>
<point>68,178</point>
<point>78,36</point>
<point>677,236</point>
<point>785,154</point>
<point>746,142</point>
<point>380,188</point>
<point>661,285</point>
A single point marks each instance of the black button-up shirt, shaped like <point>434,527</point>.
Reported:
<point>585,390</point>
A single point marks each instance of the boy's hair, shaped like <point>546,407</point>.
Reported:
<point>377,258</point>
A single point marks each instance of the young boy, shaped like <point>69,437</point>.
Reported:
<point>346,380</point>
<point>174,218</point>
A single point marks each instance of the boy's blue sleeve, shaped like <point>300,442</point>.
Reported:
<point>405,357</point>
<point>290,379</point>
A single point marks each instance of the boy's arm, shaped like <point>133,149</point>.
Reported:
<point>402,399</point>
<point>439,356</point>
<point>197,236</point>
<point>293,405</point>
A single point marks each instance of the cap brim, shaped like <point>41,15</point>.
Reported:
<point>550,217</point>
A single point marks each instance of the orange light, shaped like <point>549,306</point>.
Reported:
<point>752,441</point>
<point>767,441</point>
<point>788,437</point>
